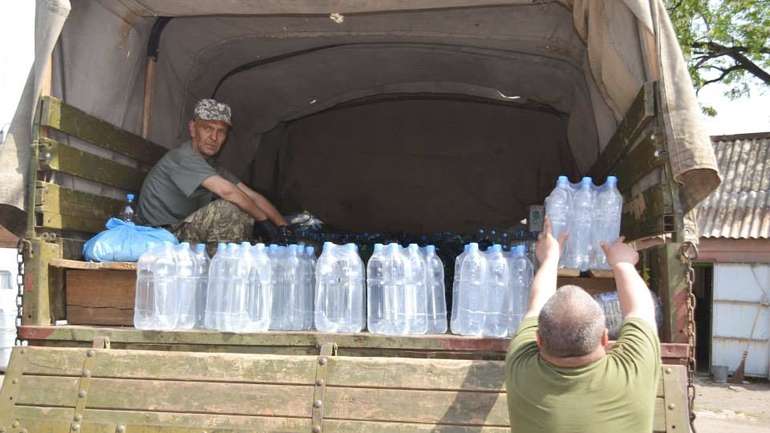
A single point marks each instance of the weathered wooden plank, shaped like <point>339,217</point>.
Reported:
<point>646,156</point>
<point>79,264</point>
<point>66,159</point>
<point>100,297</point>
<point>590,285</point>
<point>170,396</point>
<point>641,112</point>
<point>647,214</point>
<point>64,208</point>
<point>146,422</point>
<point>568,272</point>
<point>398,405</point>
<point>137,364</point>
<point>74,122</point>
<point>670,273</point>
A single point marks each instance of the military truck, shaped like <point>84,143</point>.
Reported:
<point>421,116</point>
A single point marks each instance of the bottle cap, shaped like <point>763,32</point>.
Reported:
<point>245,244</point>
<point>185,244</point>
<point>612,180</point>
<point>200,248</point>
<point>586,181</point>
<point>393,246</point>
<point>430,249</point>
<point>310,251</point>
<point>130,197</point>
<point>221,246</point>
<point>519,250</point>
<point>414,247</point>
<point>496,248</point>
<point>473,246</point>
<point>562,180</point>
<point>378,248</point>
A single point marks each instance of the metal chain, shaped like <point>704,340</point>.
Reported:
<point>689,254</point>
<point>20,248</point>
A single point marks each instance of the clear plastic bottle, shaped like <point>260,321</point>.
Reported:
<point>558,206</point>
<point>375,291</point>
<point>521,280</point>
<point>185,287</point>
<point>144,303</point>
<point>259,299</point>
<point>415,293</point>
<point>606,220</point>
<point>127,214</point>
<point>278,311</point>
<point>164,285</point>
<point>202,274</point>
<point>496,294</point>
<point>578,250</point>
<point>339,290</point>
<point>216,288</point>
<point>456,289</point>
<point>434,281</point>
<point>471,303</point>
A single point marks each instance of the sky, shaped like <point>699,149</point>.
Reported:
<point>17,44</point>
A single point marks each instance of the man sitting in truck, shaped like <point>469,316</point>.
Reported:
<point>560,375</point>
<point>188,193</point>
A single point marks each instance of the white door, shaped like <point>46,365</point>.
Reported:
<point>741,317</point>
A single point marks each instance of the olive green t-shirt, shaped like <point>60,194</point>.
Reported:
<point>613,394</point>
<point>172,189</point>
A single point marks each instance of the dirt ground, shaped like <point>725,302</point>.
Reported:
<point>731,408</point>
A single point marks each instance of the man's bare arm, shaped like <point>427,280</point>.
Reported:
<point>548,251</point>
<point>633,294</point>
<point>226,190</point>
<point>264,204</point>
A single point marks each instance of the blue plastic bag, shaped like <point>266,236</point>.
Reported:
<point>124,242</point>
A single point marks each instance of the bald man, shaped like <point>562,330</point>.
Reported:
<point>560,376</point>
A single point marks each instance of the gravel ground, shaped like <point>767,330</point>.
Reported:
<point>728,408</point>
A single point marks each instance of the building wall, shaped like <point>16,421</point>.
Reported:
<point>741,317</point>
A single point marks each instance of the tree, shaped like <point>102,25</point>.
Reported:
<point>725,41</point>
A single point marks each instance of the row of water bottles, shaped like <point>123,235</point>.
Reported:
<point>590,215</point>
<point>490,290</point>
<point>244,288</point>
<point>406,293</point>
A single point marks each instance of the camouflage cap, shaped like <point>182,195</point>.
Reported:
<point>210,109</point>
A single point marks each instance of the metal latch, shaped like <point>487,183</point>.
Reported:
<point>327,350</point>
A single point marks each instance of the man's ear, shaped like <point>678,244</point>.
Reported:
<point>605,338</point>
<point>538,341</point>
<point>191,127</point>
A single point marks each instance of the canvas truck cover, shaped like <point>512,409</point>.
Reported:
<point>276,61</point>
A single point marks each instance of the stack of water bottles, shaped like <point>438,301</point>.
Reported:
<point>170,285</point>
<point>292,287</point>
<point>405,288</point>
<point>490,291</point>
<point>590,215</point>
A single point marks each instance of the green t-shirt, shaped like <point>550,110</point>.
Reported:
<point>172,189</point>
<point>613,394</point>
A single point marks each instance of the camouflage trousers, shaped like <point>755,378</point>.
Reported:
<point>219,221</point>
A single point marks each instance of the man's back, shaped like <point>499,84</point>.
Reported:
<point>614,394</point>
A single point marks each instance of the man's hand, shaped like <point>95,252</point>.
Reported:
<point>548,247</point>
<point>619,252</point>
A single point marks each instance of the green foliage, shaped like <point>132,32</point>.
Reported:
<point>725,41</point>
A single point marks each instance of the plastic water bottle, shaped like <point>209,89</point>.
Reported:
<point>216,288</point>
<point>496,294</point>
<point>127,214</point>
<point>606,219</point>
<point>185,287</point>
<point>521,281</point>
<point>144,303</point>
<point>164,289</point>
<point>434,282</point>
<point>415,293</point>
<point>456,288</point>
<point>339,290</point>
<point>202,274</point>
<point>260,293</point>
<point>376,318</point>
<point>558,206</point>
<point>471,304</point>
<point>578,250</point>
<point>228,290</point>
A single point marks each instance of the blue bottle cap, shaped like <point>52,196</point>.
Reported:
<point>200,248</point>
<point>310,251</point>
<point>378,248</point>
<point>586,181</point>
<point>496,248</point>
<point>130,197</point>
<point>293,249</point>
<point>245,244</point>
<point>612,180</point>
<point>185,244</point>
<point>561,180</point>
<point>221,246</point>
<point>519,250</point>
<point>466,247</point>
<point>473,246</point>
<point>430,249</point>
<point>394,246</point>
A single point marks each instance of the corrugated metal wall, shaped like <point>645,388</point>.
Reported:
<point>741,317</point>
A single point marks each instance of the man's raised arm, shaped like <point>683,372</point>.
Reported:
<point>548,250</point>
<point>634,296</point>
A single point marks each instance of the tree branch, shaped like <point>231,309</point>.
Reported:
<point>714,50</point>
